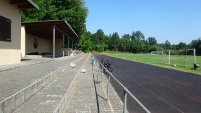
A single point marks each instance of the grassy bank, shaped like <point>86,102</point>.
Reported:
<point>177,62</point>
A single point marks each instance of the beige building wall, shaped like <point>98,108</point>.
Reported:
<point>58,48</point>
<point>10,52</point>
<point>43,44</point>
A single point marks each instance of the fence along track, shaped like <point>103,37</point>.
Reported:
<point>126,91</point>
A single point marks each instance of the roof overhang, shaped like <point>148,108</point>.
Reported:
<point>44,29</point>
<point>24,4</point>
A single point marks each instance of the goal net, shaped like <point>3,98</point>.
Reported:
<point>179,58</point>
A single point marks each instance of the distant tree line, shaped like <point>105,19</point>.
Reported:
<point>75,12</point>
<point>133,43</point>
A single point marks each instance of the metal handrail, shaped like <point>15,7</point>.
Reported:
<point>126,91</point>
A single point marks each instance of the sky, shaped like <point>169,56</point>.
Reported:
<point>173,20</point>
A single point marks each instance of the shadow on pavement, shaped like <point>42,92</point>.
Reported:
<point>97,95</point>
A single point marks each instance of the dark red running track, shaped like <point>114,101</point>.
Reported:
<point>160,90</point>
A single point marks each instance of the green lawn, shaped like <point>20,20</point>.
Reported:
<point>182,62</point>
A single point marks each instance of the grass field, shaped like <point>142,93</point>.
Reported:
<point>182,62</point>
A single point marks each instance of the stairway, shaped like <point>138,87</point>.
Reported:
<point>40,87</point>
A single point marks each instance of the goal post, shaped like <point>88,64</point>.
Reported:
<point>195,65</point>
<point>179,58</point>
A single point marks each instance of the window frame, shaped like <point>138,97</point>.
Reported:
<point>5,29</point>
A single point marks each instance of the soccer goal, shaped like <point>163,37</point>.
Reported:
<point>182,58</point>
<point>191,58</point>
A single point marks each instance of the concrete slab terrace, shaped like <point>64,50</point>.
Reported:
<point>21,81</point>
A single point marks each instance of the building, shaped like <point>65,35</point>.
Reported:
<point>46,38</point>
<point>10,29</point>
<point>18,39</point>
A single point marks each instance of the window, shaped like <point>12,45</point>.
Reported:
<point>5,29</point>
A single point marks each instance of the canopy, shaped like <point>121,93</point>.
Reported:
<point>24,4</point>
<point>44,29</point>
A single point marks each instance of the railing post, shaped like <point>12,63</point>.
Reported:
<point>108,87</point>
<point>97,77</point>
<point>125,101</point>
<point>92,66</point>
<point>98,73</point>
<point>101,72</point>
<point>96,62</point>
<point>92,63</point>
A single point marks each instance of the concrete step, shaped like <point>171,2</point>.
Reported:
<point>33,56</point>
<point>16,87</point>
<point>54,96</point>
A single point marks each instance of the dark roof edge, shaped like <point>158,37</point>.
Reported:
<point>42,21</point>
<point>52,21</point>
<point>70,28</point>
<point>32,3</point>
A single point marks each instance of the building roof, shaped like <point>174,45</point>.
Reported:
<point>24,4</point>
<point>44,29</point>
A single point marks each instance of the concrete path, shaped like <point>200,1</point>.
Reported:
<point>23,74</point>
<point>52,86</point>
<point>54,96</point>
<point>24,62</point>
<point>89,96</point>
<point>18,82</point>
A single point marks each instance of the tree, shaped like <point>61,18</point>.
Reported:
<point>152,41</point>
<point>182,45</point>
<point>34,14</point>
<point>85,44</point>
<point>124,45</point>
<point>155,48</point>
<point>126,36</point>
<point>133,36</point>
<point>136,46</point>
<point>73,11</point>
<point>114,41</point>
<point>196,44</point>
<point>167,45</point>
<point>98,38</point>
<point>193,43</point>
<point>139,35</point>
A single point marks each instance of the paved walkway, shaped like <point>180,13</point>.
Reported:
<point>53,97</point>
<point>18,76</point>
<point>24,62</point>
<point>89,95</point>
<point>43,88</point>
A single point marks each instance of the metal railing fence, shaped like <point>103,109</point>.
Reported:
<point>126,91</point>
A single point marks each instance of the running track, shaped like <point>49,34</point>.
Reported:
<point>160,90</point>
